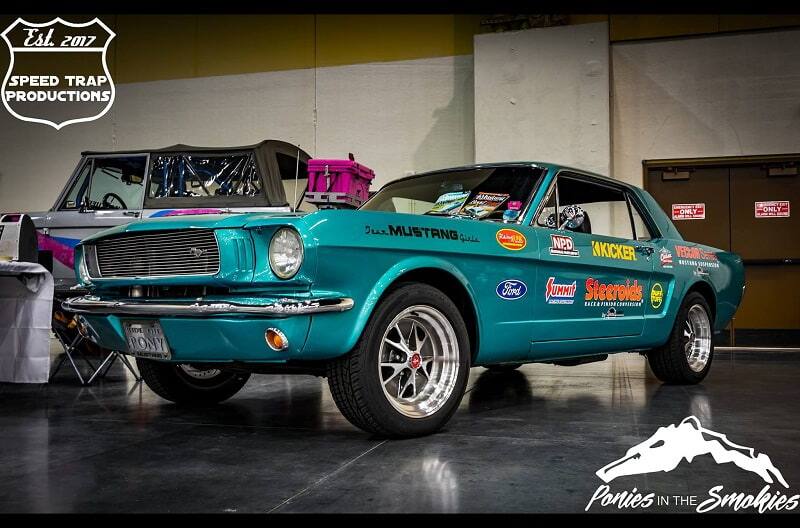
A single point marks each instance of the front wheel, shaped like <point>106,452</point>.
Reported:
<point>184,384</point>
<point>408,372</point>
<point>685,358</point>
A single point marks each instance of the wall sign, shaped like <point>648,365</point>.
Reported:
<point>772,209</point>
<point>692,211</point>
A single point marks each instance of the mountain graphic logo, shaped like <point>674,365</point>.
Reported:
<point>671,445</point>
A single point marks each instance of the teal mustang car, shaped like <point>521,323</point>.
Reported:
<point>490,265</point>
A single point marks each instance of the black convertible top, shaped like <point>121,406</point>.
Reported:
<point>189,148</point>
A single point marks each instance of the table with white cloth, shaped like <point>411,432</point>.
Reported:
<point>26,304</point>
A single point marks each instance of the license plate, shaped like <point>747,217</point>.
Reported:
<point>146,339</point>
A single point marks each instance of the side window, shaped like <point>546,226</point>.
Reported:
<point>117,183</point>
<point>288,165</point>
<point>587,207</point>
<point>639,225</point>
<point>76,194</point>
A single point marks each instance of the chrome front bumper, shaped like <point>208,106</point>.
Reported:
<point>94,305</point>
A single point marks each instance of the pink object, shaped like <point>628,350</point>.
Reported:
<point>514,205</point>
<point>338,181</point>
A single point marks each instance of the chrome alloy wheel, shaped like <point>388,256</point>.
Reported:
<point>197,373</point>
<point>418,361</point>
<point>697,337</point>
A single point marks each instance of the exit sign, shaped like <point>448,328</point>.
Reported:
<point>772,209</point>
<point>692,211</point>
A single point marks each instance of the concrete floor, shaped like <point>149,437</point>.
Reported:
<point>526,441</point>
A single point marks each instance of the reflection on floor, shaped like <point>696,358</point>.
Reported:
<point>525,441</point>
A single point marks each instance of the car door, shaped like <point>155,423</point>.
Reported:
<point>592,276</point>
<point>106,191</point>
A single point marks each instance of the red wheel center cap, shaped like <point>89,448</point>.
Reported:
<point>416,360</point>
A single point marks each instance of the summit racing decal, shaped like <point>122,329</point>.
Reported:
<point>695,256</point>
<point>672,447</point>
<point>58,73</point>
<point>563,245</point>
<point>420,232</point>
<point>613,295</point>
<point>559,293</point>
<point>511,239</point>
<point>613,251</point>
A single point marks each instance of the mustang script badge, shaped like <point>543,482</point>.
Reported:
<point>58,74</point>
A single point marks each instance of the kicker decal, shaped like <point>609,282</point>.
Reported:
<point>612,250</point>
<point>563,245</point>
<point>511,289</point>
<point>613,295</point>
<point>511,239</point>
<point>559,292</point>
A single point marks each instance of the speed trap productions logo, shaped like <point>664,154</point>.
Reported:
<point>58,71</point>
<point>674,445</point>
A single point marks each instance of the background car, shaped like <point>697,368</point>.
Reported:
<point>396,301</point>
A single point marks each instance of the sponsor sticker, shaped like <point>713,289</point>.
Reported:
<point>613,295</point>
<point>695,256</point>
<point>665,257</point>
<point>511,239</point>
<point>656,296</point>
<point>772,209</point>
<point>692,211</point>
<point>511,289</point>
<point>559,292</point>
<point>612,250</point>
<point>563,245</point>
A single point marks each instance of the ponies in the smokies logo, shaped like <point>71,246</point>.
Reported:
<point>672,446</point>
<point>58,73</point>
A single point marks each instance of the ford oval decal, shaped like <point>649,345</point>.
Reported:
<point>511,289</point>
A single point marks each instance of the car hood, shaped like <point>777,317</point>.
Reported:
<point>204,221</point>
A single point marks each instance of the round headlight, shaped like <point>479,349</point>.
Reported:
<point>285,252</point>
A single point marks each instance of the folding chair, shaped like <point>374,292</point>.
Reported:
<point>65,327</point>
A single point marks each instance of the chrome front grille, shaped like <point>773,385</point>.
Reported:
<point>158,254</point>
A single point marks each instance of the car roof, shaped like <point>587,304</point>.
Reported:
<point>189,148</point>
<point>540,164</point>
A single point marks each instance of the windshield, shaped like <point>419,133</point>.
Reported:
<point>490,193</point>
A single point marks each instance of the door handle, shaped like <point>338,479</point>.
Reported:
<point>644,250</point>
<point>131,213</point>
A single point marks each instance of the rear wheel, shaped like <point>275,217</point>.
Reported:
<point>686,357</point>
<point>184,384</point>
<point>407,374</point>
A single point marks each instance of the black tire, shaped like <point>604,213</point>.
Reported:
<point>669,362</point>
<point>355,379</point>
<point>504,367</point>
<point>172,383</point>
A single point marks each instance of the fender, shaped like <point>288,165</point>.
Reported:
<point>356,320</point>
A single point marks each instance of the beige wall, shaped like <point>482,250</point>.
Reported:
<point>702,97</point>
<point>396,117</point>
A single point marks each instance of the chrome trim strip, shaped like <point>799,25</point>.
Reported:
<point>94,305</point>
